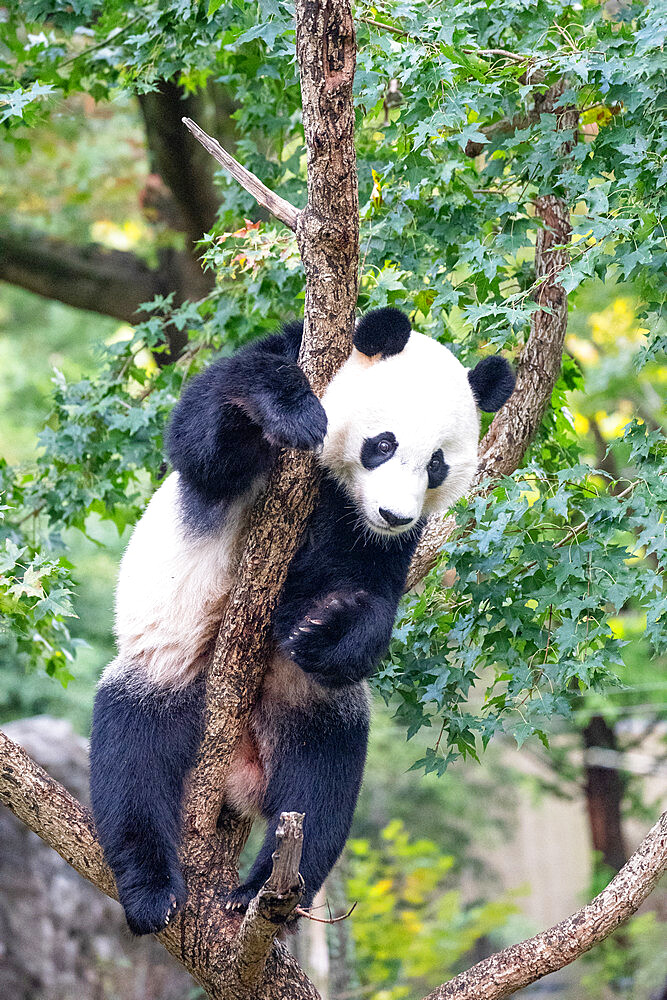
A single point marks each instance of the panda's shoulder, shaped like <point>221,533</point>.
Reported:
<point>287,342</point>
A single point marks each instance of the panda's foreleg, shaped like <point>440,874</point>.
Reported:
<point>142,744</point>
<point>317,767</point>
<point>341,637</point>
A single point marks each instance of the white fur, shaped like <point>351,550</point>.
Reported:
<point>172,588</point>
<point>423,397</point>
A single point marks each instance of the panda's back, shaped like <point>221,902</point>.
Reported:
<point>172,588</point>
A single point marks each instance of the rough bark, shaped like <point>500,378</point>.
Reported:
<point>60,938</point>
<point>518,966</point>
<point>63,823</point>
<point>274,903</point>
<point>327,232</point>
<point>514,426</point>
<point>604,796</point>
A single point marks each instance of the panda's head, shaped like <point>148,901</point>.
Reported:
<point>403,422</point>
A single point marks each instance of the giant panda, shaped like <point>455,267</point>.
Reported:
<point>397,435</point>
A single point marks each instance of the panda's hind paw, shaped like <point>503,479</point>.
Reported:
<point>150,909</point>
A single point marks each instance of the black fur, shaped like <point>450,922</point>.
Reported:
<point>383,331</point>
<point>318,772</point>
<point>232,418</point>
<point>375,451</point>
<point>492,382</point>
<point>140,751</point>
<point>437,469</point>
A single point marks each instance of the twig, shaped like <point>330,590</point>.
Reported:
<point>400,32</point>
<point>282,209</point>
<point>325,920</point>
<point>101,44</point>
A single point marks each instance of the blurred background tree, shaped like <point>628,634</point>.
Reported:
<point>544,623</point>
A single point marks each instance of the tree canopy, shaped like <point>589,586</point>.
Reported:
<point>457,122</point>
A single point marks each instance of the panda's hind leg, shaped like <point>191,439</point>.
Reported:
<point>316,768</point>
<point>142,744</point>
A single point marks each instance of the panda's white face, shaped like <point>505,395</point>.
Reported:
<point>403,433</point>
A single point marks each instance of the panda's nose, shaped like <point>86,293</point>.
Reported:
<point>393,519</point>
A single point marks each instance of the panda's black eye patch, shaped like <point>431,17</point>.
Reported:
<point>378,449</point>
<point>437,469</point>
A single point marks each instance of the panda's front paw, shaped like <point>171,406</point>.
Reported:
<point>298,421</point>
<point>150,908</point>
<point>314,644</point>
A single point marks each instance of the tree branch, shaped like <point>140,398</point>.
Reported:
<point>263,196</point>
<point>51,812</point>
<point>327,232</point>
<point>521,964</point>
<point>514,426</point>
<point>274,903</point>
<point>110,282</point>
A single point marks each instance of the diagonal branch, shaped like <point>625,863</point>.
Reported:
<point>51,812</point>
<point>263,196</point>
<point>514,426</point>
<point>521,964</point>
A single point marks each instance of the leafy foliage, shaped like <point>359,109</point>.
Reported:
<point>34,603</point>
<point>454,145</point>
<point>543,563</point>
<point>410,930</point>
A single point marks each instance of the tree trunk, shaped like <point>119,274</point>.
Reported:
<point>604,797</point>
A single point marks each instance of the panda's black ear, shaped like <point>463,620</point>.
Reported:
<point>382,331</point>
<point>492,382</point>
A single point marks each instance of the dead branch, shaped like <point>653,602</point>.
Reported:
<point>521,964</point>
<point>275,902</point>
<point>263,196</point>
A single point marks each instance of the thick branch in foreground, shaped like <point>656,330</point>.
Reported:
<point>513,968</point>
<point>51,812</point>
